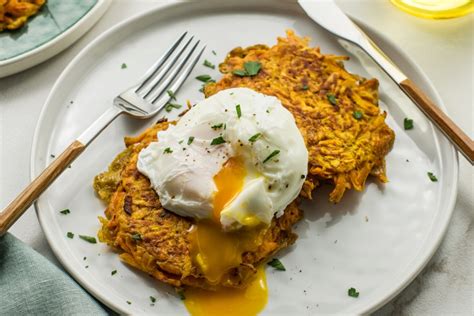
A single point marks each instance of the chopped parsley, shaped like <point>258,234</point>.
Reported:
<point>170,106</point>
<point>171,94</point>
<point>305,87</point>
<point>217,126</point>
<point>65,211</point>
<point>331,98</point>
<point>89,239</point>
<point>136,237</point>
<point>203,78</point>
<point>113,272</point>
<point>124,65</point>
<point>357,115</point>
<point>190,140</point>
<point>408,123</point>
<point>251,68</point>
<point>255,137</point>
<point>70,235</point>
<point>152,299</point>
<point>217,141</point>
<point>277,264</point>
<point>181,294</point>
<point>238,110</point>
<point>207,63</point>
<point>167,150</point>
<point>352,292</point>
<point>432,177</point>
<point>273,154</point>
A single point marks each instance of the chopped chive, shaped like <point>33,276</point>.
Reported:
<point>65,211</point>
<point>238,110</point>
<point>408,123</point>
<point>180,142</point>
<point>113,272</point>
<point>203,78</point>
<point>254,137</point>
<point>70,235</point>
<point>217,141</point>
<point>252,67</point>
<point>52,156</point>
<point>273,154</point>
<point>167,150</point>
<point>171,106</point>
<point>352,292</point>
<point>240,72</point>
<point>84,258</point>
<point>277,264</point>
<point>129,303</point>
<point>152,299</point>
<point>190,140</point>
<point>89,239</point>
<point>171,94</point>
<point>305,87</point>
<point>137,237</point>
<point>357,115</point>
<point>124,65</point>
<point>214,52</point>
<point>331,98</point>
<point>217,126</point>
<point>207,63</point>
<point>432,177</point>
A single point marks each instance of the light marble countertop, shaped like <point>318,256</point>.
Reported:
<point>443,49</point>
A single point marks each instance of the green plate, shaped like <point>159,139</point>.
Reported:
<point>54,18</point>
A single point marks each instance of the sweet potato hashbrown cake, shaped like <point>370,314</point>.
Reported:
<point>15,13</point>
<point>344,131</point>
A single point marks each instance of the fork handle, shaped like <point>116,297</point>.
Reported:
<point>457,137</point>
<point>24,200</point>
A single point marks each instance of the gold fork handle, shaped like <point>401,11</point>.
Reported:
<point>24,200</point>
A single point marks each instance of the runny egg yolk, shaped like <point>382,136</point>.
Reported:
<point>227,301</point>
<point>216,251</point>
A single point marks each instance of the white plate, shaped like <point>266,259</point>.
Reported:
<point>57,26</point>
<point>376,241</point>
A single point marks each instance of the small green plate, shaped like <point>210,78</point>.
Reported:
<point>54,18</point>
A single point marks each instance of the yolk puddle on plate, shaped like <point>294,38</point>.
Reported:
<point>216,251</point>
<point>229,302</point>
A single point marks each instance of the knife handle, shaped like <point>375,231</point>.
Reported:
<point>454,134</point>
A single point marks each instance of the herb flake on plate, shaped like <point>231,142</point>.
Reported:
<point>207,63</point>
<point>70,235</point>
<point>89,239</point>
<point>352,292</point>
<point>254,137</point>
<point>203,78</point>
<point>65,211</point>
<point>124,65</point>
<point>407,123</point>
<point>170,106</point>
<point>275,263</point>
<point>432,177</point>
<point>171,94</point>
<point>113,272</point>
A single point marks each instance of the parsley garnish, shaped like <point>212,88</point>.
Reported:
<point>273,154</point>
<point>136,237</point>
<point>171,94</point>
<point>152,299</point>
<point>238,110</point>
<point>203,78</point>
<point>277,264</point>
<point>432,177</point>
<point>171,106</point>
<point>331,98</point>
<point>190,140</point>
<point>181,294</point>
<point>217,126</point>
<point>70,235</point>
<point>218,140</point>
<point>357,115</point>
<point>207,63</point>
<point>254,137</point>
<point>407,123</point>
<point>113,272</point>
<point>65,211</point>
<point>124,65</point>
<point>167,150</point>
<point>251,68</point>
<point>90,239</point>
<point>352,292</point>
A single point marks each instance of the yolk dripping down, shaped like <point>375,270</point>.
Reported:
<point>216,251</point>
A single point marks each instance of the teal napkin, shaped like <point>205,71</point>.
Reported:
<point>31,285</point>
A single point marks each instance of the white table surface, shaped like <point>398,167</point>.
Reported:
<point>443,49</point>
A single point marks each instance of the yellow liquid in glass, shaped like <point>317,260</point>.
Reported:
<point>436,9</point>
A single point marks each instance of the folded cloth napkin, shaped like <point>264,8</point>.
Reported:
<point>31,285</point>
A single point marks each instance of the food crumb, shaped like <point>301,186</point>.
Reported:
<point>366,218</point>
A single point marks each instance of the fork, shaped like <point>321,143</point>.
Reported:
<point>141,101</point>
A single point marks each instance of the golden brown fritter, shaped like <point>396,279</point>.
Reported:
<point>157,241</point>
<point>15,13</point>
<point>336,111</point>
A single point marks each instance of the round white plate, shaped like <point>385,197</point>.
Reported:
<point>56,26</point>
<point>376,241</point>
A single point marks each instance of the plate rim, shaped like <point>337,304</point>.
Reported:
<point>404,280</point>
<point>56,45</point>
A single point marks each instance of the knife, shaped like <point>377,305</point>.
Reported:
<point>328,15</point>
